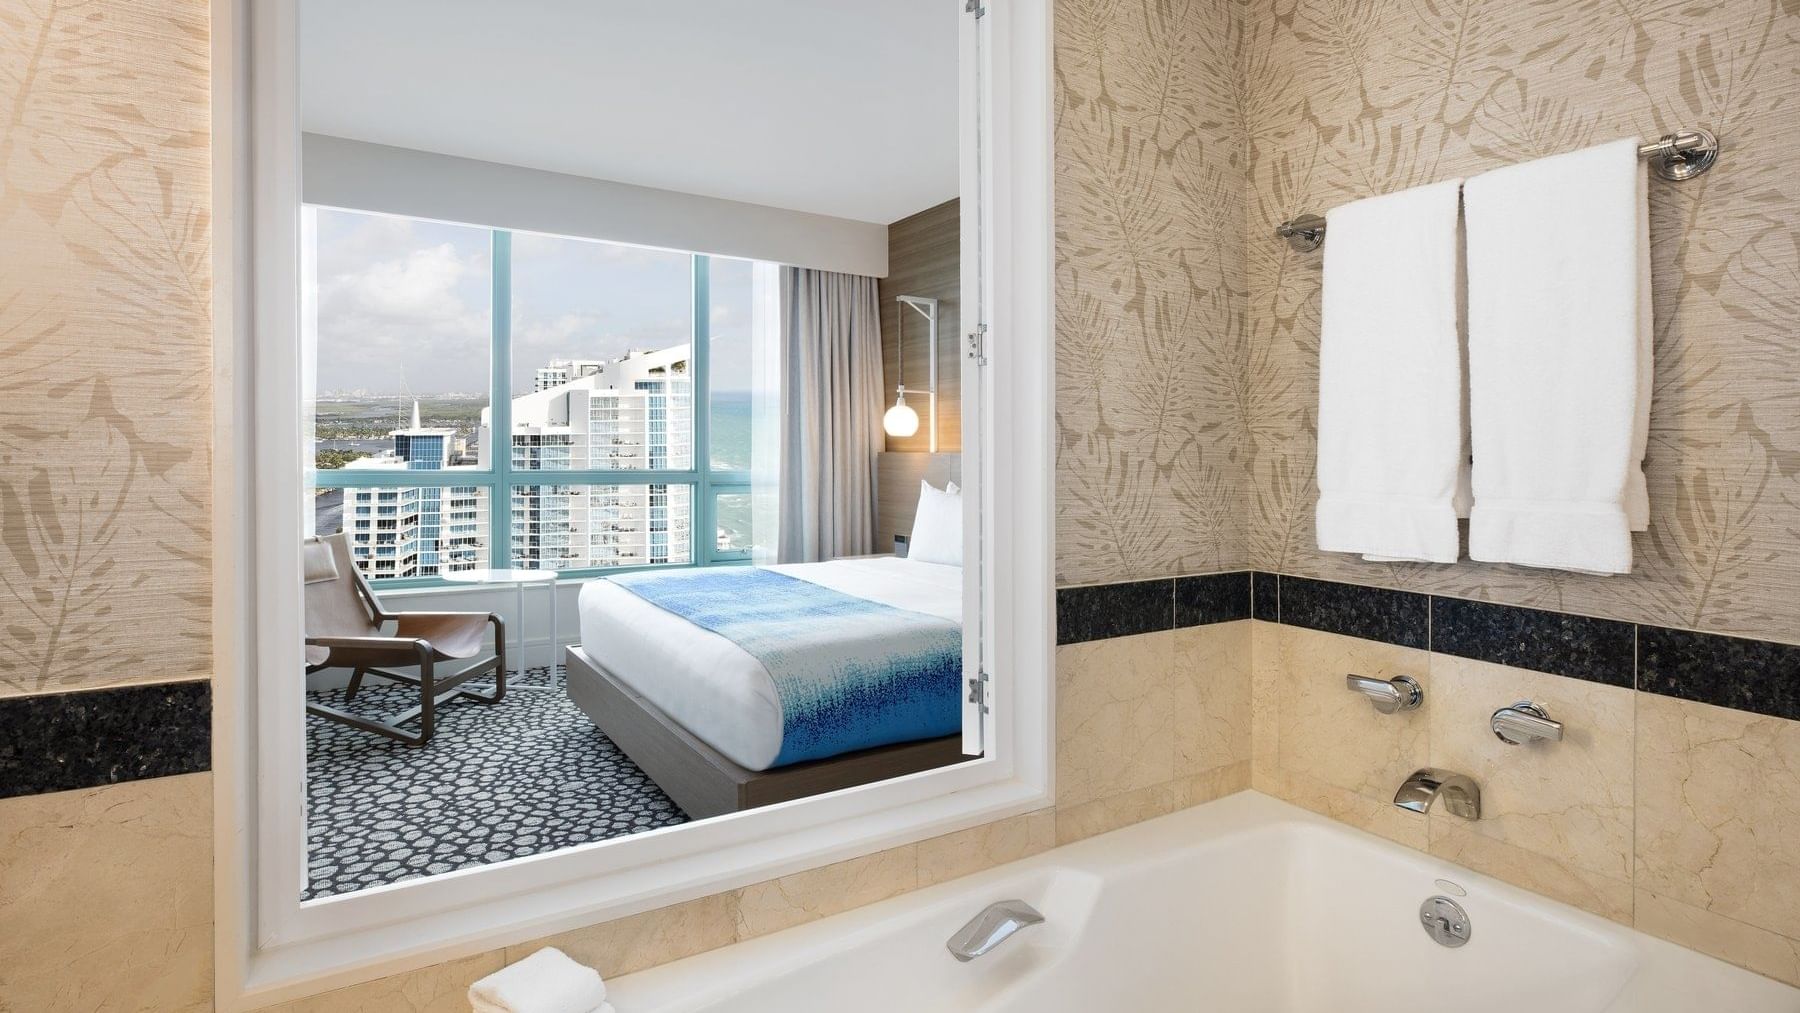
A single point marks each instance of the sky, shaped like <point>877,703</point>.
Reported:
<point>405,306</point>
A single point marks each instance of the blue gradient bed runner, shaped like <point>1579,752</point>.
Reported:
<point>851,673</point>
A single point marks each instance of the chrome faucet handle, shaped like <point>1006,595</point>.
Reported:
<point>1402,693</point>
<point>1523,723</point>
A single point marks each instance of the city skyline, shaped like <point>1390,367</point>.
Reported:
<point>630,413</point>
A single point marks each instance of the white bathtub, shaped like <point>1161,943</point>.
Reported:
<point>1244,905</point>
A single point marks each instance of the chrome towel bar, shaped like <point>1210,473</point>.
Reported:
<point>1681,155</point>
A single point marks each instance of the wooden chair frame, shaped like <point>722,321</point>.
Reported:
<point>410,644</point>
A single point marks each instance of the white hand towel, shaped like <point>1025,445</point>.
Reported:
<point>1391,445</point>
<point>545,982</point>
<point>1560,359</point>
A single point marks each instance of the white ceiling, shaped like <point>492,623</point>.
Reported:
<point>836,107</point>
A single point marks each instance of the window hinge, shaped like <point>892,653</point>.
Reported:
<point>975,7</point>
<point>978,344</point>
<point>978,689</point>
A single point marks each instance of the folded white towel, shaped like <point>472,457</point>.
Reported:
<point>1392,457</point>
<point>1560,359</point>
<point>545,982</point>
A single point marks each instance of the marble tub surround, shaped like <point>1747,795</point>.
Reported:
<point>55,742</point>
<point>1211,680</point>
<point>106,898</point>
<point>1569,802</point>
<point>1152,722</point>
<point>1674,815</point>
<point>1556,816</point>
<point>1718,812</point>
<point>1330,734</point>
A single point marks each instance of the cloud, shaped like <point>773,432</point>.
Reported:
<point>402,305</point>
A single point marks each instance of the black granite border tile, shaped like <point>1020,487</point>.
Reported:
<point>1265,597</point>
<point>1758,676</point>
<point>1580,647</point>
<point>65,741</point>
<point>1394,617</point>
<point>1102,611</point>
<point>1212,598</point>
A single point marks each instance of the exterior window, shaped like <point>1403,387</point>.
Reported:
<point>436,421</point>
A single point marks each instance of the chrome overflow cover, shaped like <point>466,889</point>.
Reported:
<point>1444,921</point>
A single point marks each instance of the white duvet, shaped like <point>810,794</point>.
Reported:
<point>712,687</point>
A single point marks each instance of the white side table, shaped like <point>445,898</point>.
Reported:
<point>518,579</point>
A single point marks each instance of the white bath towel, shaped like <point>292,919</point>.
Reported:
<point>545,982</point>
<point>1560,359</point>
<point>1392,455</point>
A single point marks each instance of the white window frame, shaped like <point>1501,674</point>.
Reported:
<point>269,947</point>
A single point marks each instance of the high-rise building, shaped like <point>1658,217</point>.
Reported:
<point>634,413</point>
<point>560,371</point>
<point>415,531</point>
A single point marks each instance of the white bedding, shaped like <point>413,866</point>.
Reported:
<point>714,688</point>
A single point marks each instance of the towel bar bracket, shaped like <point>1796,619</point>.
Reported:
<point>1681,155</point>
<point>1303,234</point>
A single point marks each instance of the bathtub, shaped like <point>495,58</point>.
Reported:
<point>1243,905</point>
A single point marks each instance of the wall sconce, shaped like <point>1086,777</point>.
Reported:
<point>901,420</point>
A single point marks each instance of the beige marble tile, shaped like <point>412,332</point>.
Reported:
<point>635,942</point>
<point>1462,842</point>
<point>1382,819</point>
<point>1569,801</point>
<point>440,988</point>
<point>804,896</point>
<point>1210,785</point>
<point>970,851</point>
<point>1211,687</point>
<point>106,897</point>
<point>1766,953</point>
<point>1718,811</point>
<point>1265,694</point>
<point>1114,717</point>
<point>1330,734</point>
<point>1078,822</point>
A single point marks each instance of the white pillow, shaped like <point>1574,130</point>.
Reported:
<point>937,526</point>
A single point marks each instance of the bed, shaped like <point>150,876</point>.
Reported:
<point>736,687</point>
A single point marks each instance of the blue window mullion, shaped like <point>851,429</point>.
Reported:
<point>500,413</point>
<point>700,364</point>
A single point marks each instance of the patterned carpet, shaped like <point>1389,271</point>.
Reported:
<point>525,776</point>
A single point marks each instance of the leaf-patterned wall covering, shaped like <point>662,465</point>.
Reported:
<point>1150,303</point>
<point>1355,97</point>
<point>105,336</point>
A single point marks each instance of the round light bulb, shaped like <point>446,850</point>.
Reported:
<point>900,420</point>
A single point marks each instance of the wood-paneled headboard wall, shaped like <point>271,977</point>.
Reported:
<point>897,478</point>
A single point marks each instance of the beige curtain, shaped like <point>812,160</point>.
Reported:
<point>831,414</point>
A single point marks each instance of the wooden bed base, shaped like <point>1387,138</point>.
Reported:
<point>701,780</point>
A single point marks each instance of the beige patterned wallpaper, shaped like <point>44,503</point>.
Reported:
<point>1353,97</point>
<point>105,275</point>
<point>1150,303</point>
